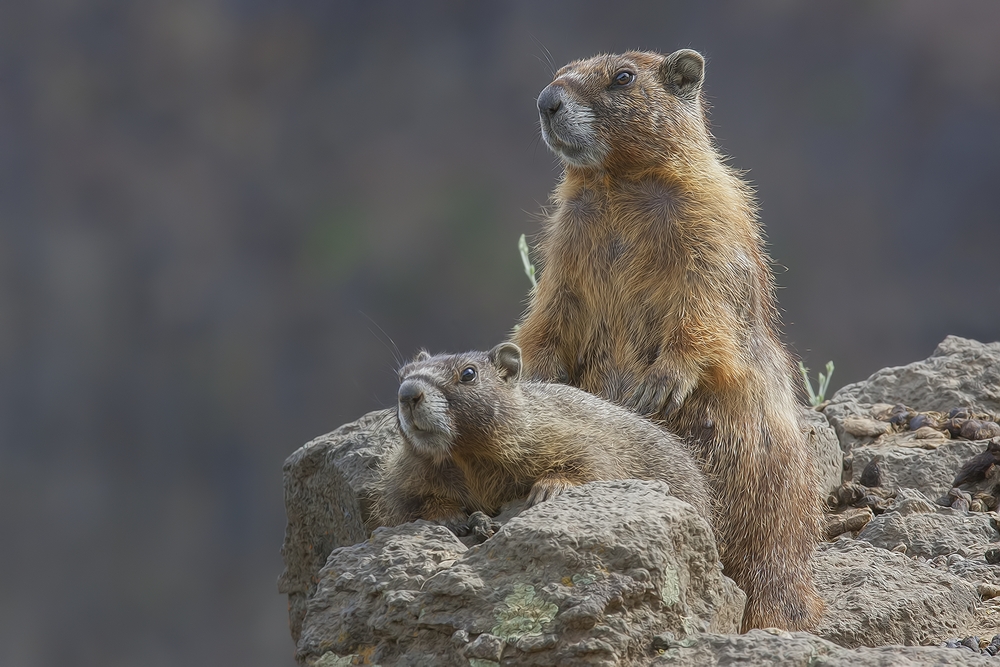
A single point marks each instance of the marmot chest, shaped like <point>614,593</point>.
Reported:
<point>622,261</point>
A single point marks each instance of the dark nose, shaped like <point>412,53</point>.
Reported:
<point>549,101</point>
<point>410,393</point>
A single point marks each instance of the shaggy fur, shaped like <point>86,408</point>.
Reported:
<point>656,293</point>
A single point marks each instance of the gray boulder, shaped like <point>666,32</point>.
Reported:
<point>876,597</point>
<point>927,529</point>
<point>960,373</point>
<point>327,498</point>
<point>929,471</point>
<point>329,484</point>
<point>621,573</point>
<point>589,577</point>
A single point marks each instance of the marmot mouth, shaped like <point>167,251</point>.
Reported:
<point>406,421</point>
<point>570,150</point>
<point>410,425</point>
<point>575,145</point>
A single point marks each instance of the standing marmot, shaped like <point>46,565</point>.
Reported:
<point>476,437</point>
<point>656,293</point>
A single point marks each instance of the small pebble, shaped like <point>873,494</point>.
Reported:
<point>871,476</point>
<point>970,428</point>
<point>989,430</point>
<point>900,415</point>
<point>954,558</point>
<point>993,556</point>
<point>971,643</point>
<point>960,499</point>
<point>954,426</point>
<point>849,494</point>
<point>851,520</point>
<point>956,493</point>
<point>866,428</point>
<point>975,429</point>
<point>900,548</point>
<point>987,499</point>
<point>928,433</point>
<point>922,420</point>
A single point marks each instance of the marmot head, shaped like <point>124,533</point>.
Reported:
<point>624,112</point>
<point>448,399</point>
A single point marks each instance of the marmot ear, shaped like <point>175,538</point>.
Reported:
<point>422,355</point>
<point>683,72</point>
<point>507,358</point>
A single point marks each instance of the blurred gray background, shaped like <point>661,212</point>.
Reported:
<point>224,223</point>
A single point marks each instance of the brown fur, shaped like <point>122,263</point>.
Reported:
<point>656,293</point>
<point>473,446</point>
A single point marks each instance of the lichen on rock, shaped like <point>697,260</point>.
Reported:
<point>523,613</point>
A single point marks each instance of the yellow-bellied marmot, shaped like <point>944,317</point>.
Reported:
<point>475,437</point>
<point>656,293</point>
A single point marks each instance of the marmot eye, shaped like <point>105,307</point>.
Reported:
<point>624,78</point>
<point>468,375</point>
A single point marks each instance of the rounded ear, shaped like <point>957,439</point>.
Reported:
<point>683,71</point>
<point>507,358</point>
<point>422,355</point>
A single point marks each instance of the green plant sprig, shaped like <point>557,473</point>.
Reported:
<point>823,383</point>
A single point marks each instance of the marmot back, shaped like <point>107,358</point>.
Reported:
<point>656,293</point>
<point>475,437</point>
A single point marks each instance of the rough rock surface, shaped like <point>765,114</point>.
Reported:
<point>929,471</point>
<point>976,570</point>
<point>759,648</point>
<point>960,373</point>
<point>927,529</point>
<point>586,578</point>
<point>329,480</point>
<point>327,483</point>
<point>828,456</point>
<point>877,597</point>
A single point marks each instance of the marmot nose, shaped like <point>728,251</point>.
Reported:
<point>410,393</point>
<point>549,101</point>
